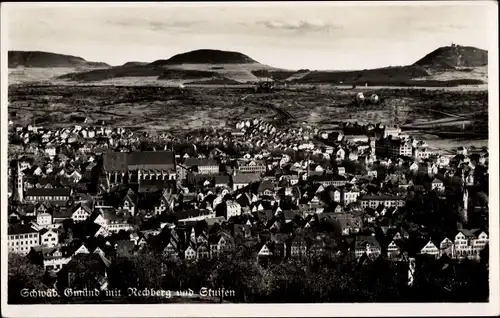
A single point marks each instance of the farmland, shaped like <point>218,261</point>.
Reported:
<point>168,108</point>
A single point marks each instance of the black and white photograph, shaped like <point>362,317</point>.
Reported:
<point>206,155</point>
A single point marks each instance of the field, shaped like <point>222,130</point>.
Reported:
<point>170,109</point>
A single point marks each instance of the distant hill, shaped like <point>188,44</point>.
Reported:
<point>206,56</point>
<point>446,66</point>
<point>134,64</point>
<point>194,65</point>
<point>38,59</point>
<point>452,57</point>
<point>455,65</point>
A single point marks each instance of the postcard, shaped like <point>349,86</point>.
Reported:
<point>249,159</point>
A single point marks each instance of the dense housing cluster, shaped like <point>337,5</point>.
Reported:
<point>364,192</point>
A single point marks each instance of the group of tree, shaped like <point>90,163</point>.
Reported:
<point>327,279</point>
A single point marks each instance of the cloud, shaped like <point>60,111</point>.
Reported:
<point>151,24</point>
<point>441,28</point>
<point>301,25</point>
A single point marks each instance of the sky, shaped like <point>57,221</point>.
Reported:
<point>321,36</point>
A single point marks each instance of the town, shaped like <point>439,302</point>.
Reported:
<point>258,191</point>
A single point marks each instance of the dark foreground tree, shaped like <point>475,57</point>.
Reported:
<point>23,275</point>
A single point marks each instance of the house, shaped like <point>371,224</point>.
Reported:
<point>422,153</point>
<point>232,209</point>
<point>222,181</point>
<point>52,258</point>
<point>167,202</point>
<point>242,180</point>
<point>111,221</point>
<point>266,188</point>
<point>264,251</point>
<point>252,166</point>
<point>430,249</point>
<point>60,214</point>
<point>367,244</point>
<point>48,238</point>
<point>399,147</point>
<point>298,248</point>
<point>349,196</point>
<point>340,154</point>
<point>202,165</point>
<point>437,184</point>
<point>394,249</point>
<point>469,243</point>
<point>75,176</point>
<point>172,248</point>
<point>347,224</point>
<point>190,252</point>
<point>21,238</point>
<point>97,264</point>
<point>202,252</point>
<point>50,150</point>
<point>130,202</point>
<point>292,179</point>
<point>317,248</point>
<point>446,247</point>
<point>221,243</point>
<point>326,180</point>
<point>43,194</point>
<point>43,220</point>
<point>81,212</point>
<point>373,201</point>
<point>194,215</point>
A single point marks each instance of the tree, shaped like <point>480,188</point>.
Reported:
<point>23,275</point>
<point>245,277</point>
<point>143,270</point>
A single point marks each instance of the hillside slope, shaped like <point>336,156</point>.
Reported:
<point>452,57</point>
<point>38,59</point>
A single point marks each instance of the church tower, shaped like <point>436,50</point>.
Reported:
<point>465,206</point>
<point>19,184</point>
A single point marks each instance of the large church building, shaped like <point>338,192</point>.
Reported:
<point>131,167</point>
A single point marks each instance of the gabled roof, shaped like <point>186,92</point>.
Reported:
<point>123,161</point>
<point>361,241</point>
<point>265,185</point>
<point>48,192</point>
<point>191,162</point>
<point>246,178</point>
<point>222,179</point>
<point>436,180</point>
<point>20,229</point>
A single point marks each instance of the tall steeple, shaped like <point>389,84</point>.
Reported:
<point>465,212</point>
<point>19,183</point>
